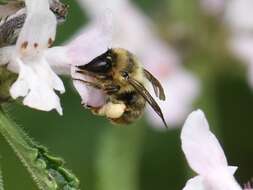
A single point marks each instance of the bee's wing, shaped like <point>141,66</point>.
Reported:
<point>146,95</point>
<point>159,92</point>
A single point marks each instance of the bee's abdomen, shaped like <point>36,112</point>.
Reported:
<point>135,105</point>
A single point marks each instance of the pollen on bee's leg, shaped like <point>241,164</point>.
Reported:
<point>114,111</point>
<point>24,45</point>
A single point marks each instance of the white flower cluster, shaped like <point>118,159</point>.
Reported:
<point>36,81</point>
<point>37,62</point>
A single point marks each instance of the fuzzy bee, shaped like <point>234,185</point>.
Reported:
<point>119,74</point>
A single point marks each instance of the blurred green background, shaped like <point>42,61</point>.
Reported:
<point>136,157</point>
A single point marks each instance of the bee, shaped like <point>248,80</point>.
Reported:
<point>120,75</point>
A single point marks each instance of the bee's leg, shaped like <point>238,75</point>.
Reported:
<point>108,88</point>
<point>111,88</point>
<point>95,85</point>
<point>94,75</point>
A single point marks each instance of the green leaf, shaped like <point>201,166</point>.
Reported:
<point>47,171</point>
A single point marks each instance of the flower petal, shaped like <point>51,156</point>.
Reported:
<point>90,96</point>
<point>201,148</point>
<point>20,87</point>
<point>36,81</point>
<point>44,71</point>
<point>43,98</point>
<point>205,155</point>
<point>92,42</point>
<point>37,90</point>
<point>221,180</point>
<point>218,181</point>
<point>59,60</point>
<point>39,29</point>
<point>195,183</point>
<point>232,169</point>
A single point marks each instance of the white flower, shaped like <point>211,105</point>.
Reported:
<point>36,81</point>
<point>91,43</point>
<point>205,156</point>
<point>134,32</point>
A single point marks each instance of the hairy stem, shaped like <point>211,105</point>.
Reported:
<point>47,171</point>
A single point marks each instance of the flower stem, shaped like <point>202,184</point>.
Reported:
<point>47,171</point>
<point>117,162</point>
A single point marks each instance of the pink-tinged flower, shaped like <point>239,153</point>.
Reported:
<point>205,156</point>
<point>92,42</point>
<point>36,81</point>
<point>212,7</point>
<point>134,32</point>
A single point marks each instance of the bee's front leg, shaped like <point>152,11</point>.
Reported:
<point>94,75</point>
<point>111,88</point>
<point>107,88</point>
<point>95,85</point>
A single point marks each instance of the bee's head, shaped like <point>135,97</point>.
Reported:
<point>126,65</point>
<point>114,63</point>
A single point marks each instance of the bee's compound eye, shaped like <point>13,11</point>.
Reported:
<point>125,75</point>
<point>102,66</point>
